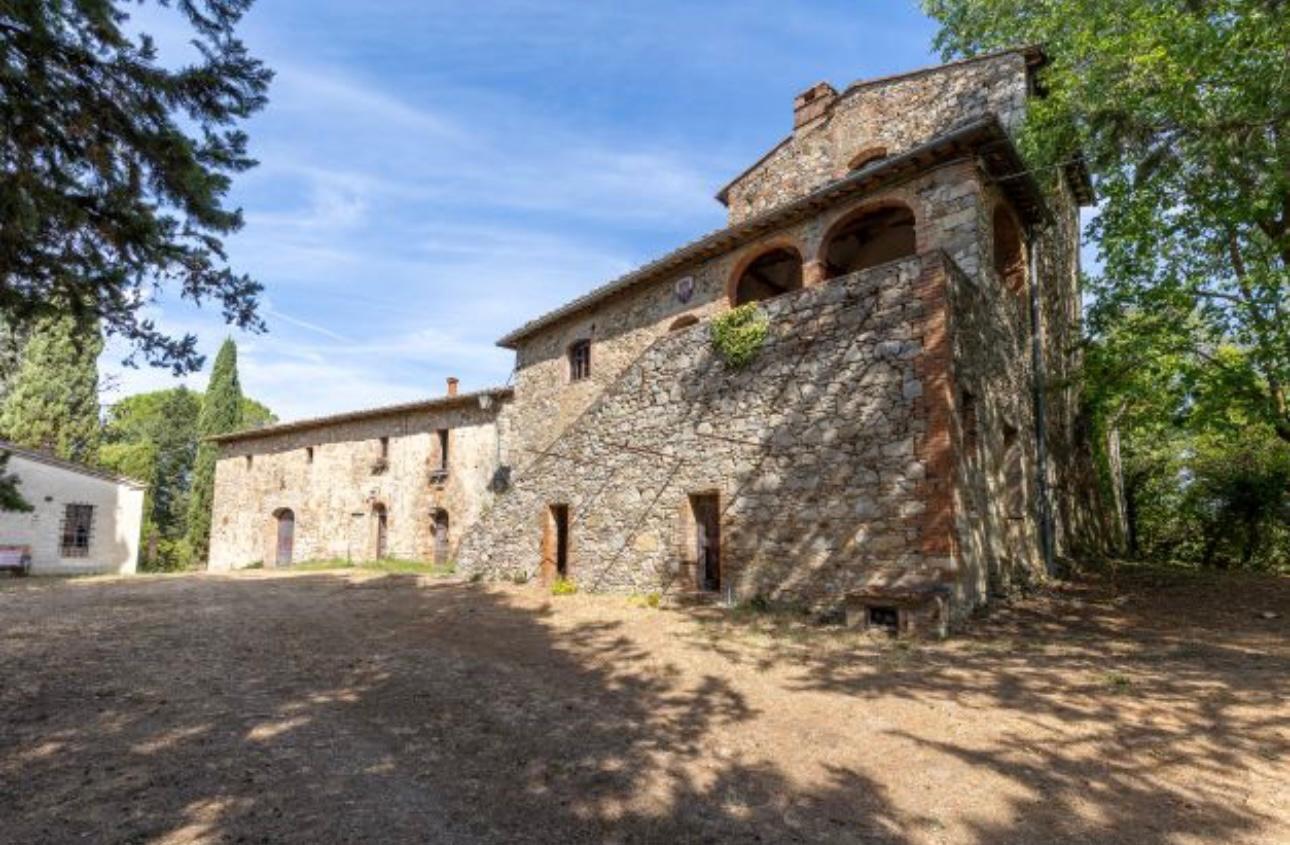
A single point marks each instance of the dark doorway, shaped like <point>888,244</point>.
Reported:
<point>560,523</point>
<point>286,537</point>
<point>870,239</point>
<point>707,541</point>
<point>440,537</point>
<point>773,273</point>
<point>555,543</point>
<point>382,531</point>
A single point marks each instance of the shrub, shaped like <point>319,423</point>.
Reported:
<point>519,577</point>
<point>563,587</point>
<point>739,334</point>
<point>171,555</point>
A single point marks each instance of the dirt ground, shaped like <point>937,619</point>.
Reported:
<point>342,707</point>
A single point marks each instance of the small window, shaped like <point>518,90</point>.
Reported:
<point>309,454</point>
<point>1009,250</point>
<point>250,459</point>
<point>580,360</point>
<point>78,525</point>
<point>385,448</point>
<point>967,415</point>
<point>884,619</point>
<point>443,450</point>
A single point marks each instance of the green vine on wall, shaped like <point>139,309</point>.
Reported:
<point>739,334</point>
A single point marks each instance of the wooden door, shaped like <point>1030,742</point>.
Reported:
<point>286,538</point>
<point>441,537</point>
<point>382,533</point>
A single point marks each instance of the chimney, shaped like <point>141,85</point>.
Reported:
<point>452,386</point>
<point>812,104</point>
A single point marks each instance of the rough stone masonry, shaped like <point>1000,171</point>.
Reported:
<point>907,442</point>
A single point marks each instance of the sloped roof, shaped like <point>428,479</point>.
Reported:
<point>70,466</point>
<point>1034,56</point>
<point>434,404</point>
<point>984,137</point>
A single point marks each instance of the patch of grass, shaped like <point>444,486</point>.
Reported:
<point>387,565</point>
<point>1117,682</point>
<point>646,599</point>
<point>563,587</point>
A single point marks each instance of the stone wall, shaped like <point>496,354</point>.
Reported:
<point>944,201</point>
<point>891,115</point>
<point>333,496</point>
<point>818,451</point>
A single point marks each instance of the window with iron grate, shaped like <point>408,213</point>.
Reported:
<point>77,529</point>
<point>579,360</point>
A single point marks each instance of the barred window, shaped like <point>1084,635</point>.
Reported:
<point>579,360</point>
<point>78,525</point>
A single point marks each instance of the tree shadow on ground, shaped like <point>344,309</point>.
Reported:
<point>1146,706</point>
<point>318,708</point>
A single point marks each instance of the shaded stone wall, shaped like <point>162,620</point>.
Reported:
<point>1084,522</point>
<point>894,115</point>
<point>333,497</point>
<point>818,451</point>
<point>547,402</point>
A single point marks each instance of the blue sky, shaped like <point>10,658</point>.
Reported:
<point>433,174</point>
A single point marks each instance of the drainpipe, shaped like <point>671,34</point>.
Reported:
<point>1041,416</point>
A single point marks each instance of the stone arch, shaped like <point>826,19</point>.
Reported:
<point>683,322</point>
<point>1009,249</point>
<point>866,156</point>
<point>869,236</point>
<point>773,270</point>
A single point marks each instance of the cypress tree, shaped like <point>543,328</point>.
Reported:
<point>52,403</point>
<point>221,413</point>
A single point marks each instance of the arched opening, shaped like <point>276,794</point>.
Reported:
<point>866,157</point>
<point>683,323</point>
<point>870,238</point>
<point>381,517</point>
<point>776,272</point>
<point>284,549</point>
<point>1009,249</point>
<point>440,525</point>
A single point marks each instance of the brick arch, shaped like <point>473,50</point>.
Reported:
<point>869,235</point>
<point>756,253</point>
<point>865,156</point>
<point>1008,248</point>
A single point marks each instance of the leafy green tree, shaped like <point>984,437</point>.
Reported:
<point>114,169</point>
<point>153,436</point>
<point>11,499</point>
<point>53,402</point>
<point>1182,108</point>
<point>221,412</point>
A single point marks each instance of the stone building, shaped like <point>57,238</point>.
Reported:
<point>907,436</point>
<point>401,481</point>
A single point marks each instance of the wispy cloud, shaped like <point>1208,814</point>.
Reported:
<point>434,174</point>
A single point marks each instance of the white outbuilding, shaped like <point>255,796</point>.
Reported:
<point>83,520</point>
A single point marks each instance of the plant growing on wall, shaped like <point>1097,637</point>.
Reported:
<point>739,334</point>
